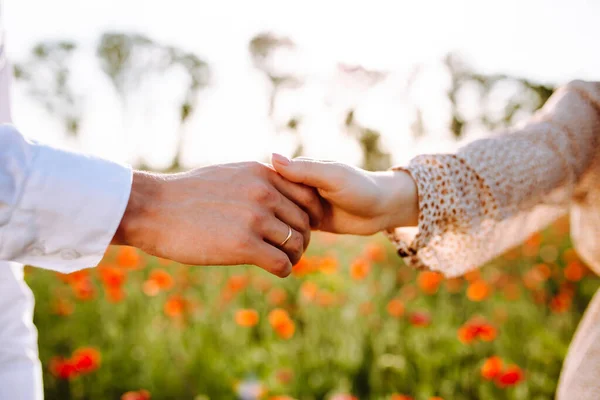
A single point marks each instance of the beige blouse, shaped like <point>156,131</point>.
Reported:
<point>495,192</point>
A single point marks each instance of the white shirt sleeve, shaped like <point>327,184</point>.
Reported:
<point>58,210</point>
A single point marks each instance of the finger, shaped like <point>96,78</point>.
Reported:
<point>319,174</point>
<point>271,259</point>
<point>289,213</point>
<point>276,232</point>
<point>305,197</point>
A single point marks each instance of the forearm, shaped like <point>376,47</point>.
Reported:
<point>400,198</point>
<point>135,228</point>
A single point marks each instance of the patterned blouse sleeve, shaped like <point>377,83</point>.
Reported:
<point>495,192</point>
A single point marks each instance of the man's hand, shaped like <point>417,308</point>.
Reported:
<point>221,215</point>
<point>357,201</point>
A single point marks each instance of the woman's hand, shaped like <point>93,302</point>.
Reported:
<point>356,201</point>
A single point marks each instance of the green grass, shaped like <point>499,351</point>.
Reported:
<point>336,348</point>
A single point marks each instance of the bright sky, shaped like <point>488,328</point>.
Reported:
<point>547,40</point>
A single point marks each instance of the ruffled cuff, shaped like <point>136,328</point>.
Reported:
<point>444,235</point>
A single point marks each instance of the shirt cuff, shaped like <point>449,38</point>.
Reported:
<point>71,207</point>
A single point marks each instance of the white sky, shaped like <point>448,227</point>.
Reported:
<point>547,40</point>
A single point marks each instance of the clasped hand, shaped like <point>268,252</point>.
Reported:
<point>241,213</point>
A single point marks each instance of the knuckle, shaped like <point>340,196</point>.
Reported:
<point>297,243</point>
<point>262,193</point>
<point>307,196</point>
<point>256,218</point>
<point>281,267</point>
<point>305,221</point>
<point>244,241</point>
<point>295,258</point>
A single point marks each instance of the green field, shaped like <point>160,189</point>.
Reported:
<point>352,320</point>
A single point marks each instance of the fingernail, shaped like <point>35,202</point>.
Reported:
<point>281,160</point>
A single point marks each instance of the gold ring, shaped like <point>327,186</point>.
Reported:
<point>289,236</point>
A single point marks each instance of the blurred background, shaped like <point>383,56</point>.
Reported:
<point>370,83</point>
<point>173,85</point>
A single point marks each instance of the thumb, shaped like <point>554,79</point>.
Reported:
<point>318,174</point>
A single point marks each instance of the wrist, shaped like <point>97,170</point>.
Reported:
<point>134,227</point>
<point>400,203</point>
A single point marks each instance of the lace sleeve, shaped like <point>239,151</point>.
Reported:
<point>493,193</point>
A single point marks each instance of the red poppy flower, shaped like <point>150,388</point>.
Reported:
<point>62,368</point>
<point>138,395</point>
<point>420,319</point>
<point>86,360</point>
<point>429,281</point>
<point>395,308</point>
<point>511,376</point>
<point>112,277</point>
<point>491,368</point>
<point>359,269</point>
<point>246,317</point>
<point>477,329</point>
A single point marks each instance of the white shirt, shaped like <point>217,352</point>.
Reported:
<point>58,210</point>
<point>20,369</point>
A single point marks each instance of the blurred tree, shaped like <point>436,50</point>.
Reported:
<point>374,158</point>
<point>524,96</point>
<point>128,59</point>
<point>265,50</point>
<point>520,97</point>
<point>46,77</point>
